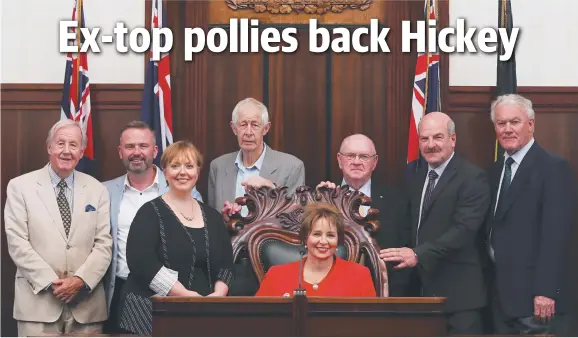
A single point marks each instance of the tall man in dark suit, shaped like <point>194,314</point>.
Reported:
<point>449,201</point>
<point>529,226</point>
<point>357,160</point>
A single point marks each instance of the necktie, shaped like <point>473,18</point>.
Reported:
<point>507,180</point>
<point>428,192</point>
<point>64,207</point>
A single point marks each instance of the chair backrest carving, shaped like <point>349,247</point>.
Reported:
<point>275,215</point>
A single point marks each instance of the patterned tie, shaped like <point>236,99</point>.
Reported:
<point>428,192</point>
<point>64,207</point>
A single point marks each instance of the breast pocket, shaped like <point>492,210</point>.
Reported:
<point>84,225</point>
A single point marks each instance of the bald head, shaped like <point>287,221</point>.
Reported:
<point>357,140</point>
<point>357,159</point>
<point>437,138</point>
<point>438,118</point>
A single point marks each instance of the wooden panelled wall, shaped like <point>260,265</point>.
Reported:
<point>314,100</point>
<point>28,111</point>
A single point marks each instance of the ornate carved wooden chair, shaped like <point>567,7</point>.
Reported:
<point>269,234</point>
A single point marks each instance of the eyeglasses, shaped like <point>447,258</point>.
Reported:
<point>362,157</point>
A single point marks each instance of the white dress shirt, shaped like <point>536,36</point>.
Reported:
<point>131,202</point>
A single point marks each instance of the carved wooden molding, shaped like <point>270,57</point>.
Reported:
<point>278,203</point>
<point>276,208</point>
<point>303,6</point>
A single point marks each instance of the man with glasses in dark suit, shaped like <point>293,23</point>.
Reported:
<point>357,159</point>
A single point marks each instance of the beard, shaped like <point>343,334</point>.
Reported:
<point>137,168</point>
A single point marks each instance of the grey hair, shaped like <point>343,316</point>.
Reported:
<point>258,104</point>
<point>513,100</point>
<point>451,127</point>
<point>61,124</point>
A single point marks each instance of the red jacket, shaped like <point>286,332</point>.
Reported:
<point>345,279</point>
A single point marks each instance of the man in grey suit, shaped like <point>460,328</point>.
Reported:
<point>142,182</point>
<point>255,165</point>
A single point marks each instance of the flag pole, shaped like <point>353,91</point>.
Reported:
<point>439,100</point>
<point>426,87</point>
<point>503,9</point>
<point>425,94</point>
<point>78,26</point>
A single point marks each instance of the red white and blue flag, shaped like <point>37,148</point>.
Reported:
<point>75,103</point>
<point>426,91</point>
<point>156,108</point>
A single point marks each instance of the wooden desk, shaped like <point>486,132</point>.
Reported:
<point>298,316</point>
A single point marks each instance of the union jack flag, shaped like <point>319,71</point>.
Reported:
<point>426,91</point>
<point>75,104</point>
<point>157,110</point>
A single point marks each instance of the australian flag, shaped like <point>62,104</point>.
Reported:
<point>426,92</point>
<point>156,108</point>
<point>75,103</point>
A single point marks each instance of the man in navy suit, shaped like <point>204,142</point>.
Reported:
<point>529,225</point>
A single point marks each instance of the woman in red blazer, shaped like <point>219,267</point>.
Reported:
<point>324,274</point>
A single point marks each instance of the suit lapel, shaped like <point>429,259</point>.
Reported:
<point>163,186</point>
<point>48,197</point>
<point>494,178</point>
<point>229,183</point>
<point>269,166</point>
<point>376,197</point>
<point>78,204</point>
<point>417,190</point>
<point>115,201</point>
<point>447,175</point>
<point>378,202</point>
<point>519,181</point>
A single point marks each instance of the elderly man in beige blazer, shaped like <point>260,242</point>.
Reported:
<point>58,231</point>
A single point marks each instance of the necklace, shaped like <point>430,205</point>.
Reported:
<point>318,281</point>
<point>190,219</point>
